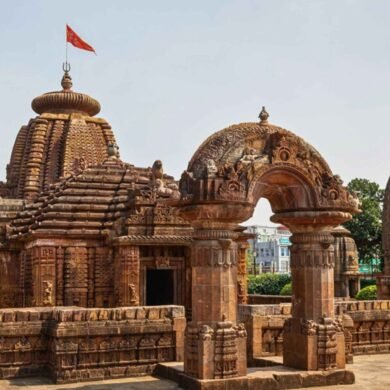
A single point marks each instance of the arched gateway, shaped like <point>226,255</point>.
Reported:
<point>226,177</point>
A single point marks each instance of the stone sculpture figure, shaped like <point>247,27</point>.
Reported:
<point>48,293</point>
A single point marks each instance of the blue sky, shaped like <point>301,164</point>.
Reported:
<point>170,73</point>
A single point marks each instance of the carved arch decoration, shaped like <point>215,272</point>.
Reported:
<point>244,162</point>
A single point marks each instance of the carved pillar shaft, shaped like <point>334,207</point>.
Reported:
<point>127,269</point>
<point>214,280</point>
<point>313,339</point>
<point>215,346</point>
<point>312,263</point>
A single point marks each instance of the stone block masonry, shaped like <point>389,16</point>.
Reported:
<point>74,344</point>
<point>366,327</point>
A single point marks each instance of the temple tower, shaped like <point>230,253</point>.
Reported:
<point>62,140</point>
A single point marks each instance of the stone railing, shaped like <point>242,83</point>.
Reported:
<point>75,344</point>
<point>366,327</point>
<point>371,325</point>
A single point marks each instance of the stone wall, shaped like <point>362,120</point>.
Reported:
<point>74,344</point>
<point>366,327</point>
<point>258,299</point>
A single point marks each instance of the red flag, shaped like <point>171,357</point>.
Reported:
<point>76,41</point>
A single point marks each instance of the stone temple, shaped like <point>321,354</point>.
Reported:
<point>109,270</point>
<point>82,227</point>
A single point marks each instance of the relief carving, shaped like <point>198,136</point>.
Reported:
<point>308,327</point>
<point>133,294</point>
<point>206,332</point>
<point>48,293</point>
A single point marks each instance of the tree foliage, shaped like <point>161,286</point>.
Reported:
<point>267,283</point>
<point>286,289</point>
<point>367,294</point>
<point>366,227</point>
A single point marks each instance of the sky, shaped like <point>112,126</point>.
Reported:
<point>170,73</point>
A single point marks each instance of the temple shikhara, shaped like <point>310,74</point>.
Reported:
<point>110,270</point>
<point>81,227</point>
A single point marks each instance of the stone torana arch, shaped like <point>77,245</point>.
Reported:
<point>226,177</point>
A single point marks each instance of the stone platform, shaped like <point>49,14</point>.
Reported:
<point>372,373</point>
<point>275,377</point>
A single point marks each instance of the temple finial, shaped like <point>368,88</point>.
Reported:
<point>263,116</point>
<point>66,81</point>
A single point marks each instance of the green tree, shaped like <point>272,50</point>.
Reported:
<point>286,289</point>
<point>368,293</point>
<point>267,283</point>
<point>366,227</point>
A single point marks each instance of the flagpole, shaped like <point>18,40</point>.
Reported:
<point>66,66</point>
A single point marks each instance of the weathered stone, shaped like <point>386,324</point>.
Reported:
<point>289,381</point>
<point>72,348</point>
<point>94,232</point>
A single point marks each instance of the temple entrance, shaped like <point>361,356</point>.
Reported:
<point>159,287</point>
<point>226,177</point>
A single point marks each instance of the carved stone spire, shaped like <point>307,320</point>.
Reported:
<point>263,116</point>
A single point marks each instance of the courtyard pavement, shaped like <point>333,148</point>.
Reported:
<point>372,373</point>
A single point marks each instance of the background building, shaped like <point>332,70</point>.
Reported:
<point>269,249</point>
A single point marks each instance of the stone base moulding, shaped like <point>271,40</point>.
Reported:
<point>274,378</point>
<point>215,353</point>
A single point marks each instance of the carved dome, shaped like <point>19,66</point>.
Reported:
<point>66,101</point>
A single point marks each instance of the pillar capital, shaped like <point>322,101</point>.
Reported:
<point>310,221</point>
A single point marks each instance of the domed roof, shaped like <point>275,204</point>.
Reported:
<point>66,101</point>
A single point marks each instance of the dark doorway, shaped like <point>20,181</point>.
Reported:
<point>159,287</point>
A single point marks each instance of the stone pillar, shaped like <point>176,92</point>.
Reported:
<point>127,269</point>
<point>215,345</point>
<point>313,337</point>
